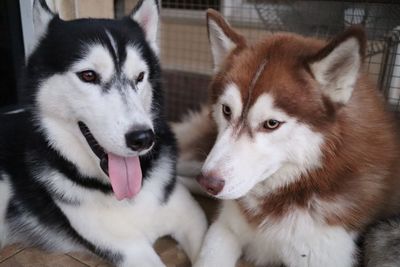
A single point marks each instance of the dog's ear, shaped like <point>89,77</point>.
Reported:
<point>42,15</point>
<point>146,13</point>
<point>337,66</point>
<point>223,39</point>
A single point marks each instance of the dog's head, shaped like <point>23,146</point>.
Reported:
<point>273,101</point>
<point>95,87</point>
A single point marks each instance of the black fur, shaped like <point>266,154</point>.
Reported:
<point>24,149</point>
<point>44,5</point>
<point>381,243</point>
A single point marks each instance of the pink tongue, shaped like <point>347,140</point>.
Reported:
<point>125,175</point>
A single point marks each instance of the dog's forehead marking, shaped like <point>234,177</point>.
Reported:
<point>252,86</point>
<point>113,45</point>
<point>240,125</point>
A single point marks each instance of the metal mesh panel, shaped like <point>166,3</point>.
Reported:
<point>186,57</point>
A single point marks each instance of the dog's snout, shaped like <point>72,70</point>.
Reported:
<point>211,184</point>
<point>139,140</point>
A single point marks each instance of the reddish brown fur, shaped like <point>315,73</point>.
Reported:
<point>235,37</point>
<point>361,150</point>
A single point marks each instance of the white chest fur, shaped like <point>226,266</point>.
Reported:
<point>131,226</point>
<point>296,239</point>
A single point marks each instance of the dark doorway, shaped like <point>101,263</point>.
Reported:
<point>11,52</point>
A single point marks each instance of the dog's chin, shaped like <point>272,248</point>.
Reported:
<point>244,187</point>
<point>235,192</point>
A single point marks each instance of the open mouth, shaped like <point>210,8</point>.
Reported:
<point>125,173</point>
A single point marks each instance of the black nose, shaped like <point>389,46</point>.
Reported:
<point>139,140</point>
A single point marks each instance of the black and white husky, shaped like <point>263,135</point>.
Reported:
<point>91,163</point>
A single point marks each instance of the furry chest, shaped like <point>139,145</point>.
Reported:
<point>296,240</point>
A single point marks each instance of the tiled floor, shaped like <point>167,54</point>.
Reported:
<point>170,253</point>
<point>15,256</point>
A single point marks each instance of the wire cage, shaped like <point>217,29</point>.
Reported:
<point>186,57</point>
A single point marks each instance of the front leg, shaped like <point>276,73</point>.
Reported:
<point>141,254</point>
<point>221,247</point>
<point>187,221</point>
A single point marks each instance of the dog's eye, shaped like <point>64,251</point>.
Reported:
<point>271,124</point>
<point>140,77</point>
<point>226,110</point>
<point>88,76</point>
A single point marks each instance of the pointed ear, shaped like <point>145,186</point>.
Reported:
<point>223,39</point>
<point>336,67</point>
<point>146,14</point>
<point>42,15</point>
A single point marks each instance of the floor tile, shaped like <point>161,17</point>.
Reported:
<point>243,263</point>
<point>89,259</point>
<point>37,258</point>
<point>9,251</point>
<point>170,253</point>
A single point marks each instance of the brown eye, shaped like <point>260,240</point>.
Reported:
<point>271,124</point>
<point>226,110</point>
<point>140,77</point>
<point>88,76</point>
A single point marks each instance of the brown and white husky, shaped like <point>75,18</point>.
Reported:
<point>299,146</point>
